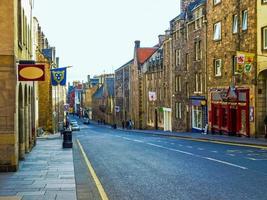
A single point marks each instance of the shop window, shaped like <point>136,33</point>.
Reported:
<point>216,116</point>
<point>224,117</point>
<point>197,117</point>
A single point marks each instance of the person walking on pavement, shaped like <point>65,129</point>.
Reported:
<point>265,126</point>
<point>123,124</point>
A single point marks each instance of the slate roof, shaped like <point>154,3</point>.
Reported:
<point>107,89</point>
<point>99,93</point>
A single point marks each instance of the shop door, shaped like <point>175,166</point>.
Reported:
<point>233,122</point>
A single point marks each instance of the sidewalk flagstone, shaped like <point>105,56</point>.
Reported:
<point>47,173</point>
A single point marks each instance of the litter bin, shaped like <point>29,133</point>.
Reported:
<point>67,138</point>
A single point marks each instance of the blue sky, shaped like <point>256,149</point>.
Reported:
<point>98,36</point>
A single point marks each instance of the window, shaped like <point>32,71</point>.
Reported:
<point>196,82</point>
<point>215,2</point>
<point>179,84</point>
<point>19,23</point>
<point>234,65</point>
<point>264,1</point>
<point>198,52</point>
<point>200,82</point>
<point>244,20</point>
<point>217,31</point>
<point>177,57</point>
<point>187,90</point>
<point>187,61</point>
<point>178,110</point>
<point>198,18</point>
<point>235,24</point>
<point>176,83</point>
<point>264,37</point>
<point>218,67</point>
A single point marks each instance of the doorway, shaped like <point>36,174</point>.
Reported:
<point>233,122</point>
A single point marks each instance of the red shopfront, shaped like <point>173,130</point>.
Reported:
<point>230,111</point>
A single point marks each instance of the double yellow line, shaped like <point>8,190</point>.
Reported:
<point>92,171</point>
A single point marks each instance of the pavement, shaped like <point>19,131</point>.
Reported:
<point>47,173</point>
<point>257,142</point>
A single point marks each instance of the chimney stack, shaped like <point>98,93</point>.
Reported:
<point>137,44</point>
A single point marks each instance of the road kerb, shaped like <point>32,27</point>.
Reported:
<point>92,171</point>
<point>205,140</point>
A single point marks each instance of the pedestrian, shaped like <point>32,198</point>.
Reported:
<point>122,123</point>
<point>127,124</point>
<point>130,124</point>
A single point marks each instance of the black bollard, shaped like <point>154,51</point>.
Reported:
<point>67,138</point>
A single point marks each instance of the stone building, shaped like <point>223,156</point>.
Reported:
<point>45,103</point>
<point>122,93</point>
<point>17,99</point>
<point>103,102</point>
<point>156,72</point>
<point>89,88</point>
<point>189,102</point>
<point>232,70</point>
<point>261,93</point>
<point>136,84</point>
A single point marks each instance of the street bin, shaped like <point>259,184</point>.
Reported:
<point>67,138</point>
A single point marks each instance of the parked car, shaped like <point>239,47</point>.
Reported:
<point>86,120</point>
<point>75,126</point>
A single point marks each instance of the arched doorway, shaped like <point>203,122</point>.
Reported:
<point>261,109</point>
<point>21,128</point>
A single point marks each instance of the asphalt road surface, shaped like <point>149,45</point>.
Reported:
<point>138,166</point>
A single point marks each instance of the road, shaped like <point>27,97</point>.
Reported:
<point>143,167</point>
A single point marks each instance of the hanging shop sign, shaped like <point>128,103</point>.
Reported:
<point>31,72</point>
<point>244,62</point>
<point>152,96</point>
<point>117,108</point>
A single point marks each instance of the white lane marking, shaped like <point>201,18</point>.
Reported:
<point>140,141</point>
<point>127,138</point>
<point>214,151</point>
<point>180,145</point>
<point>171,149</point>
<point>191,154</point>
<point>188,153</point>
<point>201,149</point>
<point>190,147</point>
<point>224,162</point>
<point>255,159</point>
<point>231,155</point>
<point>155,145</point>
<point>172,143</point>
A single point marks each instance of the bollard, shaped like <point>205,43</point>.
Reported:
<point>67,138</point>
